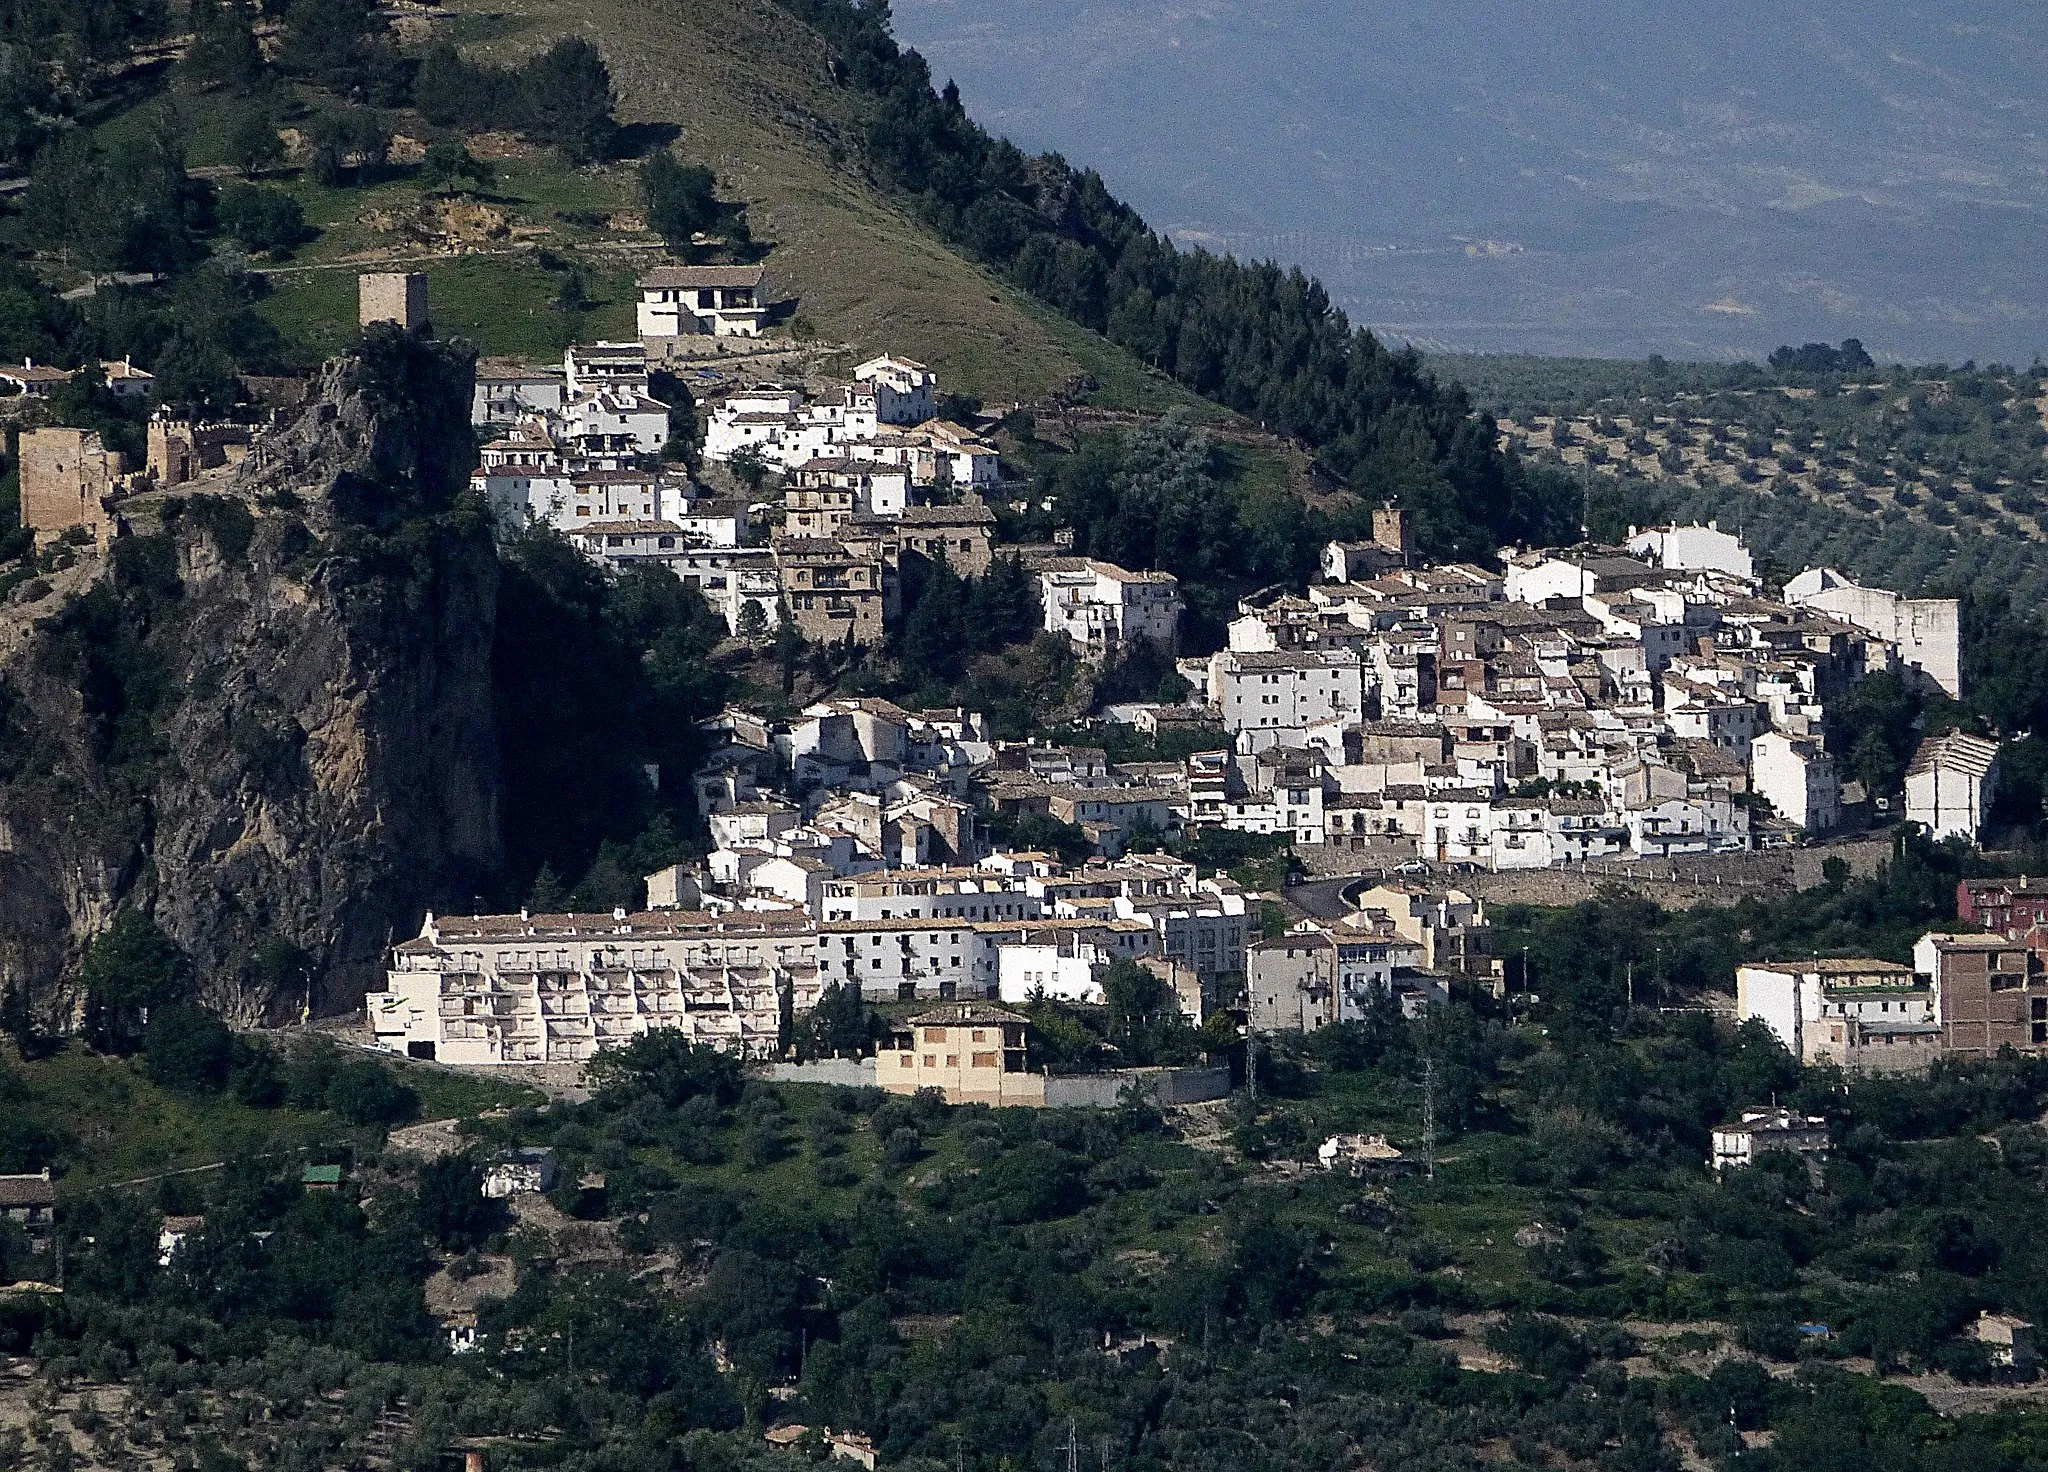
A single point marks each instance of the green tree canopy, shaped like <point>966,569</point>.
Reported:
<point>129,969</point>
<point>188,1048</point>
<point>566,100</point>
<point>679,198</point>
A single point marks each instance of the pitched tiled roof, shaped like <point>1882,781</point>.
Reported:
<point>956,1014</point>
<point>701,276</point>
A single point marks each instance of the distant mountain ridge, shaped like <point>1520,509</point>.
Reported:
<point>1699,181</point>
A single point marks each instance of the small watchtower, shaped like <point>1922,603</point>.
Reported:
<point>392,296</point>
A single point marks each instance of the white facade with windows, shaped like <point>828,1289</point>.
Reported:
<point>1103,609</point>
<point>904,958</point>
<point>684,301</point>
<point>1798,779</point>
<point>525,988</point>
<point>1274,699</point>
<point>905,392</point>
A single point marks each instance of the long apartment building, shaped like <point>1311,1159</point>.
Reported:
<point>498,989</point>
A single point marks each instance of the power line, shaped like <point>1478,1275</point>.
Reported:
<point>1429,1116</point>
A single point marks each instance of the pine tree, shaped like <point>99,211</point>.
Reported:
<point>935,636</point>
<point>566,100</point>
<point>547,897</point>
<point>679,199</point>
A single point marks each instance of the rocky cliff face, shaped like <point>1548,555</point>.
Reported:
<point>266,714</point>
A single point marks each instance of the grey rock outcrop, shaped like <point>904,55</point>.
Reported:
<point>269,716</point>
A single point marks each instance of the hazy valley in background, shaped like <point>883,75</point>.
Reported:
<point>1702,181</point>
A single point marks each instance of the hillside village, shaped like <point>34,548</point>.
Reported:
<point>1398,720</point>
<point>1402,722</point>
<point>699,773</point>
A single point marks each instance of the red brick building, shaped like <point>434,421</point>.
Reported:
<point>2009,907</point>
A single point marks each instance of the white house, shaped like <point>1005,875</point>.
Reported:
<point>1672,826</point>
<point>710,523</point>
<point>1458,827</point>
<point>1063,964</point>
<point>1653,629</point>
<point>683,301</point>
<point>1314,976</point>
<point>904,391</point>
<point>1285,795</point>
<point>1693,548</point>
<point>954,894</point>
<point>1104,610</point>
<point>1951,785</point>
<point>1273,699</point>
<point>504,395</point>
<point>1352,562</point>
<point>1696,711</point>
<point>1859,1013</point>
<point>1536,577</point>
<point>903,958</point>
<point>590,366</point>
<point>941,452</point>
<point>1740,1141</point>
<point>616,420</point>
<point>1798,778</point>
<point>798,878</point>
<point>520,1170</point>
<point>1925,634</point>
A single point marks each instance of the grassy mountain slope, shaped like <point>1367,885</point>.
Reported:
<point>751,89</point>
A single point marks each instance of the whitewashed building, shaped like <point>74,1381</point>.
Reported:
<point>1861,1014</point>
<point>1104,610</point>
<point>1798,779</point>
<point>1275,699</point>
<point>1693,548</point>
<point>903,958</point>
<point>1741,1141</point>
<point>497,989</point>
<point>1064,964</point>
<point>1951,785</point>
<point>616,421</point>
<point>1924,634</point>
<point>685,301</point>
<point>905,392</point>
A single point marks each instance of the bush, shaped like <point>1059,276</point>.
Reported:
<point>454,1212</point>
<point>1541,1346</point>
<point>366,1092</point>
<point>262,219</point>
<point>129,969</point>
<point>188,1048</point>
<point>901,1149</point>
<point>449,167</point>
<point>667,1065</point>
<point>679,199</point>
<point>562,96</point>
